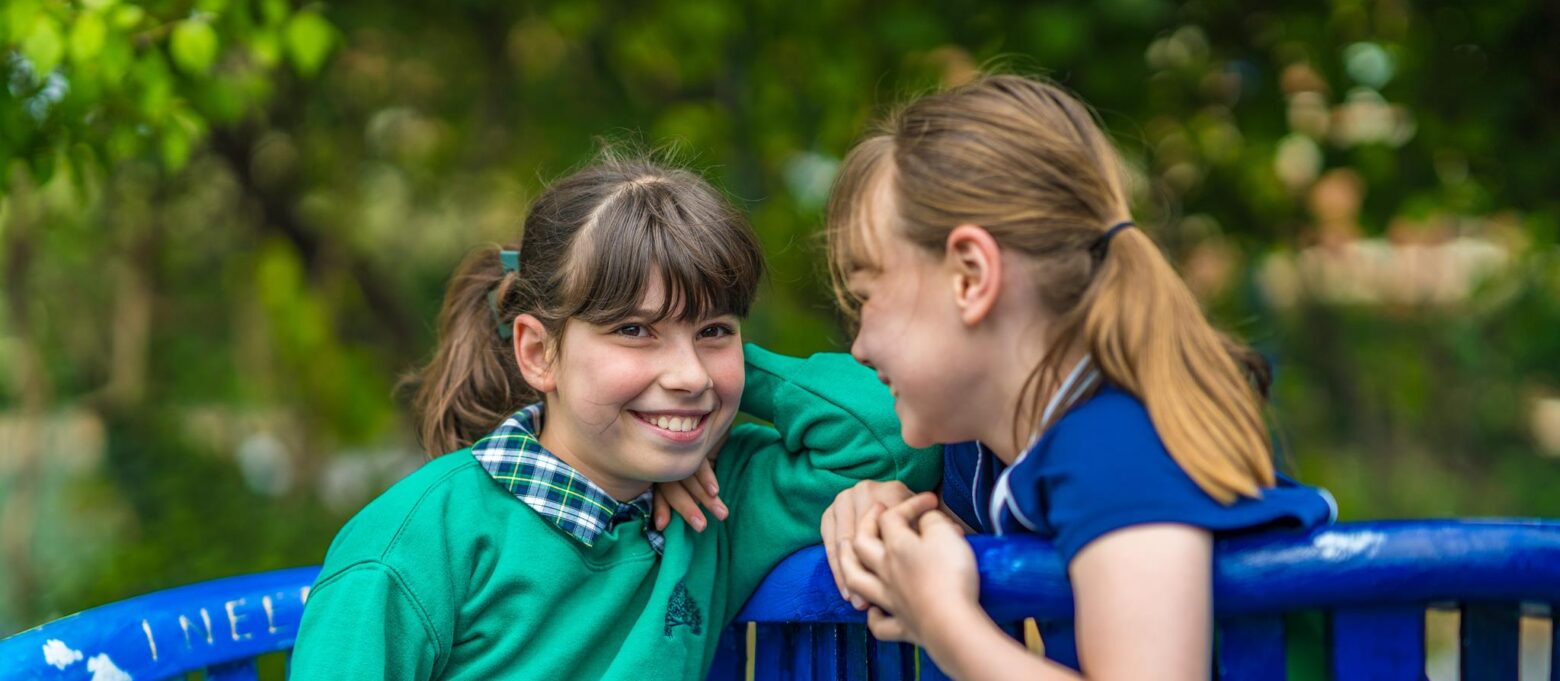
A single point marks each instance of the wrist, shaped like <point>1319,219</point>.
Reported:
<point>952,636</point>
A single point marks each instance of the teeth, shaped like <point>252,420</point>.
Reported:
<point>676,424</point>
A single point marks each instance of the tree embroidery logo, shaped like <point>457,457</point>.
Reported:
<point>681,610</point>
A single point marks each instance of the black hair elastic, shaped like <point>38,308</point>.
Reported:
<point>1102,244</point>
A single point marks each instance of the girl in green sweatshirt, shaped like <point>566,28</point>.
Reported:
<point>572,377</point>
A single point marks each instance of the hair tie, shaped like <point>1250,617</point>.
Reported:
<point>510,260</point>
<point>1102,245</point>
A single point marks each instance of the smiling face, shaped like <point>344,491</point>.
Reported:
<point>641,400</point>
<point>911,332</point>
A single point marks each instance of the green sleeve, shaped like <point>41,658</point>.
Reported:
<point>834,425</point>
<point>364,623</point>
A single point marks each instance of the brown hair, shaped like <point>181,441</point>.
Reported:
<point>591,244</point>
<point>1026,161</point>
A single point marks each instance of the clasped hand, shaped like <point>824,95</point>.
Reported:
<point>895,555</point>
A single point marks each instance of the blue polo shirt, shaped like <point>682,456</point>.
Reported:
<point>1102,467</point>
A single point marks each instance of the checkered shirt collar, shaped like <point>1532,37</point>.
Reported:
<point>518,461</point>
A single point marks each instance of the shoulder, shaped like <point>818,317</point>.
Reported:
<point>431,504</point>
<point>1112,418</point>
<point>1110,437</point>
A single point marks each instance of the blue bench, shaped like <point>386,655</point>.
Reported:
<point>1373,580</point>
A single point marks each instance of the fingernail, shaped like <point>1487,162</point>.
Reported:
<point>698,524</point>
<point>721,510</point>
<point>857,602</point>
<point>713,489</point>
<point>844,595</point>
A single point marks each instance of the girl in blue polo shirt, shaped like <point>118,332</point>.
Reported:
<point>1003,293</point>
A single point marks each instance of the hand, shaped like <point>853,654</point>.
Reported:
<point>915,567</point>
<point>841,518</point>
<point>685,496</point>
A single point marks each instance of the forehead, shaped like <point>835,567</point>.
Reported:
<point>870,232</point>
<point>653,303</point>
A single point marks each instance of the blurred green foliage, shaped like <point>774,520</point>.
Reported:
<point>227,224</point>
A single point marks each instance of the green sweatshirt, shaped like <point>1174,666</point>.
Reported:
<point>447,575</point>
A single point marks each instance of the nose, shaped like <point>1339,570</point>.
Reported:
<point>683,370</point>
<point>858,350</point>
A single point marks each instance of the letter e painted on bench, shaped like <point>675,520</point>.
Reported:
<point>233,619</point>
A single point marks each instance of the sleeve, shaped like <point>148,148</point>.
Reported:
<point>364,623</point>
<point>1109,470</point>
<point>834,425</point>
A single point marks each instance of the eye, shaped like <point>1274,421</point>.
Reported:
<point>717,331</point>
<point>633,331</point>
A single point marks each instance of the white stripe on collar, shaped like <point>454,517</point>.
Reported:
<point>1077,383</point>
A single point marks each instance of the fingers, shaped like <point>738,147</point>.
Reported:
<point>831,550</point>
<point>844,514</point>
<point>707,481</point>
<point>937,522</point>
<point>867,547</point>
<point>660,512</point>
<point>865,587</point>
<point>884,627</point>
<point>919,504</point>
<point>894,525</point>
<point>682,502</point>
<point>700,491</point>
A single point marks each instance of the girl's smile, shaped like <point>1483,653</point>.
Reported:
<point>678,426</point>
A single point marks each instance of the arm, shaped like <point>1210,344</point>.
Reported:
<point>1152,579</point>
<point>363,623</point>
<point>834,426</point>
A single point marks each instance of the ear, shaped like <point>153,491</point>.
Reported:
<point>532,344</point>
<point>976,260</point>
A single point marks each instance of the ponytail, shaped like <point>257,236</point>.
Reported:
<point>472,384</point>
<point>1147,334</point>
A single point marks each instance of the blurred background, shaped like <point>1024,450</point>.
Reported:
<point>225,226</point>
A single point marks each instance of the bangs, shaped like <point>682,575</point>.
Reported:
<point>701,251</point>
<point>859,208</point>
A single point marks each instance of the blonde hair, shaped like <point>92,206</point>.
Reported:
<point>591,244</point>
<point>1027,162</point>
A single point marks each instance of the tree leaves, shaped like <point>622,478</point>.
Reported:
<point>309,38</point>
<point>194,46</point>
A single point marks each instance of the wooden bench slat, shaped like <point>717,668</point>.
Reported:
<point>731,655</point>
<point>1251,648</point>
<point>1379,644</point>
<point>1060,645</point>
<point>857,655</point>
<point>772,657</point>
<point>890,661</point>
<point>1554,642</point>
<point>1491,640</point>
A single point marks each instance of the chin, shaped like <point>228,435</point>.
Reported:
<point>915,436</point>
<point>674,471</point>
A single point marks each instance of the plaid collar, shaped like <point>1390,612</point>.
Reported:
<point>514,457</point>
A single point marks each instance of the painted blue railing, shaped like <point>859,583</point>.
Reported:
<point>1374,581</point>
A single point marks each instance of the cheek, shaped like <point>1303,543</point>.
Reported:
<point>604,374</point>
<point>727,371</point>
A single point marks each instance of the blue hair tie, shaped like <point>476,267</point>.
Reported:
<point>1102,245</point>
<point>511,263</point>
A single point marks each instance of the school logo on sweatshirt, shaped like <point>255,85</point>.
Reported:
<point>681,610</point>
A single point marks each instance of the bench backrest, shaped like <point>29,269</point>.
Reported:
<point>1373,581</point>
